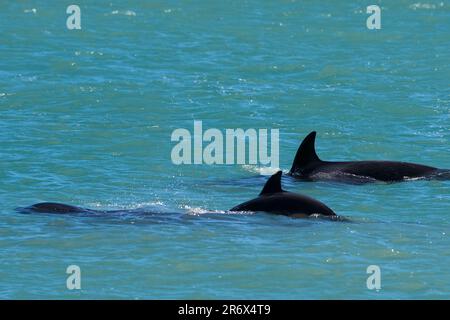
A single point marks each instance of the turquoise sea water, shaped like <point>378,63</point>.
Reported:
<point>86,118</point>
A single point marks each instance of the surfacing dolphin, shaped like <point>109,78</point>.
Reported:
<point>308,166</point>
<point>273,199</point>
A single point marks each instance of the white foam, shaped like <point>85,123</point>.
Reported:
<point>265,171</point>
<point>426,6</point>
<point>124,12</point>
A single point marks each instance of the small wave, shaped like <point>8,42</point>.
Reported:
<point>124,12</point>
<point>150,206</point>
<point>197,211</point>
<point>426,6</point>
<point>330,218</point>
<point>92,53</point>
<point>33,10</point>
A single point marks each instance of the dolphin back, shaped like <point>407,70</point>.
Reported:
<point>274,199</point>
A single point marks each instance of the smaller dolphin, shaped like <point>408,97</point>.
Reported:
<point>275,200</point>
<point>308,166</point>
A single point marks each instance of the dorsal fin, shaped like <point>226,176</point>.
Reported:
<point>272,185</point>
<point>306,153</point>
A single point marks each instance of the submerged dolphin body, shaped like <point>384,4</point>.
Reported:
<point>273,199</point>
<point>147,214</point>
<point>308,166</point>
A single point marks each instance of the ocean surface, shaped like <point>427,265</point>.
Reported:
<point>86,118</point>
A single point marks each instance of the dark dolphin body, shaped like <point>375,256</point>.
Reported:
<point>60,208</point>
<point>275,200</point>
<point>148,214</point>
<point>308,166</point>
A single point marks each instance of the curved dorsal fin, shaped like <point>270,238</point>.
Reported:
<point>272,185</point>
<point>306,153</point>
